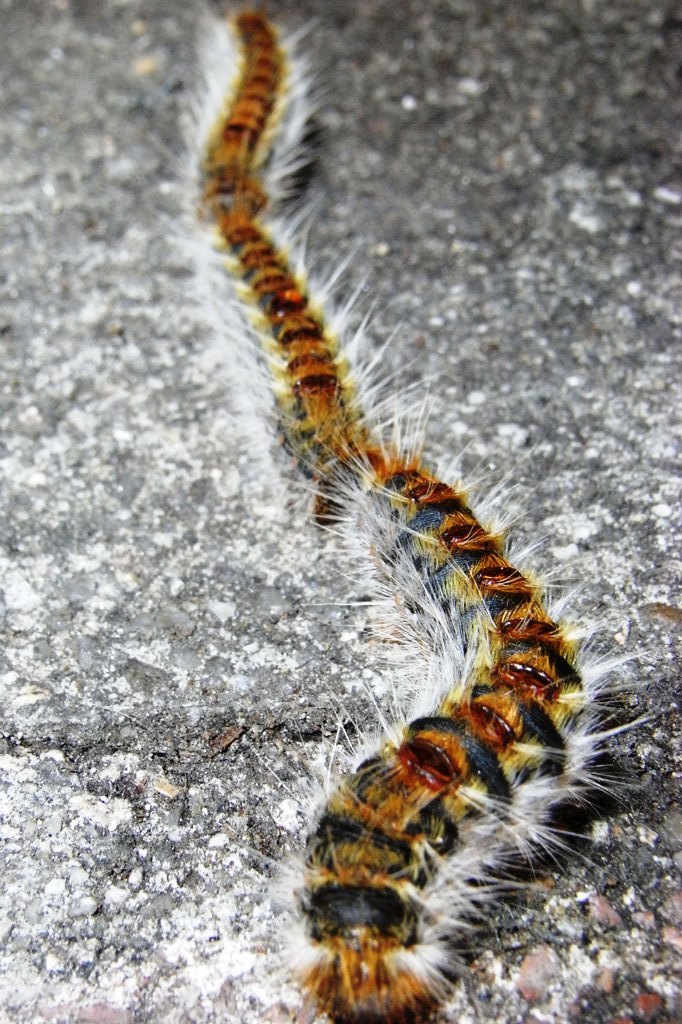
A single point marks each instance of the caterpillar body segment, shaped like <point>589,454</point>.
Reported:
<point>318,409</point>
<point>401,860</point>
<point>238,143</point>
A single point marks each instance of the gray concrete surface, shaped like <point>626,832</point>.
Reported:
<point>174,640</point>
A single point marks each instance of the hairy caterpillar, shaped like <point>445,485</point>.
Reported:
<point>403,854</point>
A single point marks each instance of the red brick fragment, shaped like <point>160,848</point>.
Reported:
<point>537,972</point>
<point>602,911</point>
<point>605,981</point>
<point>648,1006</point>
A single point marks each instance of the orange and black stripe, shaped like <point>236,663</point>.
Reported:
<point>233,155</point>
<point>319,417</point>
<point>317,401</point>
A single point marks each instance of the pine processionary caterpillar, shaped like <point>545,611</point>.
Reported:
<point>402,857</point>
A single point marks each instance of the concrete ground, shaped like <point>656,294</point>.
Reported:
<point>177,641</point>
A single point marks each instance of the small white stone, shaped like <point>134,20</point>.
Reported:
<point>222,610</point>
<point>585,218</point>
<point>163,540</point>
<point>54,755</point>
<point>634,288</point>
<point>84,907</point>
<point>53,825</point>
<point>92,312</point>
<point>78,875</point>
<point>231,482</point>
<point>575,380</point>
<point>476,398</point>
<point>565,552</point>
<point>107,814</point>
<point>409,103</point>
<point>30,419</point>
<point>55,887</point>
<point>7,682</point>
<point>647,835</point>
<point>52,964</point>
<point>469,86</point>
<point>135,878</point>
<point>218,841</point>
<point>19,594</point>
<point>671,196</point>
<point>115,895</point>
<point>662,510</point>
<point>585,528</point>
<point>514,433</point>
<point>600,831</point>
<point>286,815</point>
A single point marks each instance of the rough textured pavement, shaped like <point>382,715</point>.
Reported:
<point>177,641</point>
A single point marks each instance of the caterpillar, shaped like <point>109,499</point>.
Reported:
<point>407,850</point>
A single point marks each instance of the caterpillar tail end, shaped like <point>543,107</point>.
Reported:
<point>366,978</point>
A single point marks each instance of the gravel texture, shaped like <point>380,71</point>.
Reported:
<point>177,639</point>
